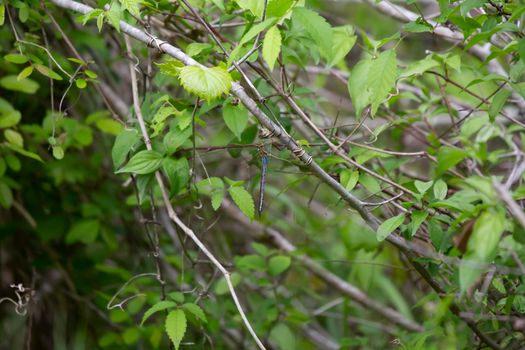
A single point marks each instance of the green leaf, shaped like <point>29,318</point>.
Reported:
<point>207,83</point>
<point>381,78</point>
<point>47,72</point>
<point>388,226</point>
<point>132,6</point>
<point>144,162</point>
<point>176,326</point>
<point>252,33</point>
<point>343,41</point>
<point>497,103</point>
<point>176,138</point>
<point>2,14</point>
<point>419,67</point>
<point>24,73</point>
<point>161,305</point>
<point>124,143</point>
<point>236,118</point>
<point>196,311</point>
<point>440,189</point>
<point>316,27</point>
<point>349,178</point>
<point>279,264</point>
<point>271,46</point>
<point>423,187</point>
<point>448,157</point>
<point>10,119</point>
<point>14,137</point>
<point>178,297</point>
<point>243,199</point>
<point>357,86</point>
<point>109,126</point>
<point>24,152</point>
<point>278,8</point>
<point>283,337</point>
<point>254,6</point>
<point>178,173</point>
<point>58,152</point>
<point>6,196</point>
<point>80,83</point>
<point>221,287</point>
<point>216,198</point>
<point>85,231</point>
<point>113,15</point>
<point>417,219</point>
<point>486,234</point>
<point>26,86</point>
<point>15,58</point>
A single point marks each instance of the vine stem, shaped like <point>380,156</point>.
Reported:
<point>171,211</point>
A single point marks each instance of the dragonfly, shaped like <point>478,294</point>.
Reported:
<point>264,134</point>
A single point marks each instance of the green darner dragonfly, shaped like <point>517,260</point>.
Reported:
<point>264,134</point>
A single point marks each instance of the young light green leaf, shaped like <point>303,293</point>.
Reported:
<point>176,326</point>
<point>24,73</point>
<point>388,226</point>
<point>58,152</point>
<point>161,305</point>
<point>358,86</point>
<point>15,58</point>
<point>176,138</point>
<point>271,46</point>
<point>196,311</point>
<point>486,234</point>
<point>207,83</point>
<point>243,199</point>
<point>343,41</point>
<point>423,187</point>
<point>216,198</point>
<point>236,118</point>
<point>144,162</point>
<point>26,85</point>
<point>255,6</point>
<point>440,189</point>
<point>278,8</point>
<point>124,143</point>
<point>349,178</point>
<point>10,119</point>
<point>47,72</point>
<point>252,33</point>
<point>382,77</point>
<point>316,27</point>
<point>278,264</point>
<point>283,337</point>
<point>114,14</point>
<point>14,137</point>
<point>132,6</point>
<point>2,14</point>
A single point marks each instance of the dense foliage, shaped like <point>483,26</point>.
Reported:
<point>280,174</point>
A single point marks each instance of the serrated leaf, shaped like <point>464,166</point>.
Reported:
<point>382,77</point>
<point>47,72</point>
<point>132,6</point>
<point>196,311</point>
<point>317,28</point>
<point>144,162</point>
<point>176,326</point>
<point>343,41</point>
<point>388,226</point>
<point>124,143</point>
<point>207,83</point>
<point>161,305</point>
<point>254,6</point>
<point>236,118</point>
<point>271,46</point>
<point>113,15</point>
<point>243,199</point>
<point>358,86</point>
<point>278,264</point>
<point>170,67</point>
